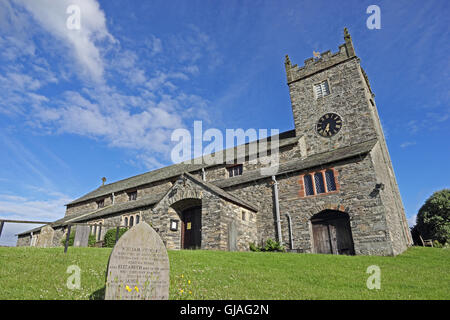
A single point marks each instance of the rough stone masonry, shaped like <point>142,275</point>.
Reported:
<point>335,180</point>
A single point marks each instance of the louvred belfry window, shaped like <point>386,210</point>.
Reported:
<point>322,89</point>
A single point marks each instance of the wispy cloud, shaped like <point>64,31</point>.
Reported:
<point>82,43</point>
<point>14,207</point>
<point>407,144</point>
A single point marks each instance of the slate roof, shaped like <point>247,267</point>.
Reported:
<point>285,139</point>
<point>222,193</point>
<point>315,160</point>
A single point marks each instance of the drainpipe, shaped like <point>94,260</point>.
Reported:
<point>277,208</point>
<point>113,197</point>
<point>291,239</point>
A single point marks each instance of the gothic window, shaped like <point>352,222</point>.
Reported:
<point>235,170</point>
<point>126,222</point>
<point>131,221</point>
<point>318,179</point>
<point>99,231</point>
<point>309,190</point>
<point>132,195</point>
<point>329,177</point>
<point>322,89</point>
<point>137,219</point>
<point>243,215</point>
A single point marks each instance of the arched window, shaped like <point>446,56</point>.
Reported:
<point>329,177</point>
<point>131,221</point>
<point>318,179</point>
<point>309,190</point>
<point>126,222</point>
<point>99,231</point>
<point>137,219</point>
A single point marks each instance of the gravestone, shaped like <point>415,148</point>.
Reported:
<point>138,268</point>
<point>82,236</point>
<point>232,236</point>
<point>45,237</point>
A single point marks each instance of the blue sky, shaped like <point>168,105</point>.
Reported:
<point>102,101</point>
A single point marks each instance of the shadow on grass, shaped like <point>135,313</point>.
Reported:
<point>98,294</point>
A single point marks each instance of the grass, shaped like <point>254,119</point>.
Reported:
<point>419,273</point>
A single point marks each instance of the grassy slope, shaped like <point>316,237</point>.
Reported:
<point>420,273</point>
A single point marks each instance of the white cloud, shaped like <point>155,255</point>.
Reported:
<point>20,208</point>
<point>407,144</point>
<point>412,220</point>
<point>83,43</point>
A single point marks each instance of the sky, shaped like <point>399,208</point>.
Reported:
<point>100,96</point>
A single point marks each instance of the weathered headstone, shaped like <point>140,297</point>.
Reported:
<point>138,268</point>
<point>45,238</point>
<point>81,236</point>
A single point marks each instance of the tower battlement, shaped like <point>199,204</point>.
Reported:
<point>327,59</point>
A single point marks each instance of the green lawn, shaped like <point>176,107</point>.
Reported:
<point>419,273</point>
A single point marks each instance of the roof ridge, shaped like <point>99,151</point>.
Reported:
<point>288,137</point>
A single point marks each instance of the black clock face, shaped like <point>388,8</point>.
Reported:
<point>329,124</point>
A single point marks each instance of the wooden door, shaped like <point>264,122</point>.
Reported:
<point>344,243</point>
<point>191,232</point>
<point>332,234</point>
<point>322,243</point>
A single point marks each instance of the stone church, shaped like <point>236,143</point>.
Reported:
<point>334,191</point>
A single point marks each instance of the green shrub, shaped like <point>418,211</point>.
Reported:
<point>71,239</point>
<point>110,237</point>
<point>91,240</point>
<point>254,247</point>
<point>437,244</point>
<point>270,246</point>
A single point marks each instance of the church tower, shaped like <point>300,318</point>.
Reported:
<point>334,107</point>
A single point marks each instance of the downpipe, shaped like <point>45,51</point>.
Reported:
<point>277,209</point>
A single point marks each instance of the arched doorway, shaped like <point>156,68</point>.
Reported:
<point>190,213</point>
<point>332,233</point>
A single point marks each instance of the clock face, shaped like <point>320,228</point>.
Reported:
<point>329,124</point>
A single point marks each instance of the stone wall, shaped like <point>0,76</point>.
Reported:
<point>357,179</point>
<point>23,241</point>
<point>218,216</point>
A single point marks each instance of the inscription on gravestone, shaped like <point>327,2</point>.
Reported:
<point>81,236</point>
<point>138,268</point>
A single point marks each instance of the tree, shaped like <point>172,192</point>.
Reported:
<point>433,219</point>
